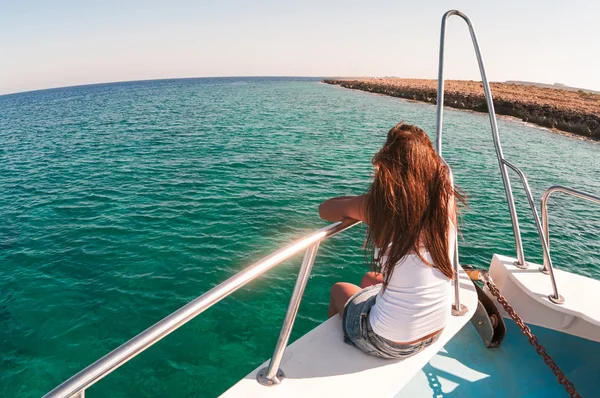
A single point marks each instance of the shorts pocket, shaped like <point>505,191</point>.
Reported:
<point>363,330</point>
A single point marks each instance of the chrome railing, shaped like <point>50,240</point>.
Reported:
<point>76,385</point>
<point>269,376</point>
<point>554,297</point>
<point>547,267</point>
<point>503,163</point>
<point>457,308</point>
<point>494,125</point>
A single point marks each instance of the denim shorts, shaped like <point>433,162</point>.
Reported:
<point>359,333</point>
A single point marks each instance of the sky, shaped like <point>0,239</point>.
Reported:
<point>46,44</point>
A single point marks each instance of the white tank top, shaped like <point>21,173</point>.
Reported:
<point>417,300</point>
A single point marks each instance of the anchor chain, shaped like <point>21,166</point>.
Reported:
<point>562,379</point>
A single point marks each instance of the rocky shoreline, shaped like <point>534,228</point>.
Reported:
<point>575,112</point>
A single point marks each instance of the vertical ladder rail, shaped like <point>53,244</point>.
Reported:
<point>494,125</point>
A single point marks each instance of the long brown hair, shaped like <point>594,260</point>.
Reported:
<point>408,203</point>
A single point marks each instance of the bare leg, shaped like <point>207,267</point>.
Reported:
<point>340,293</point>
<point>370,279</point>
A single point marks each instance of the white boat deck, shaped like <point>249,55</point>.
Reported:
<point>465,368</point>
<point>528,289</point>
<point>321,364</point>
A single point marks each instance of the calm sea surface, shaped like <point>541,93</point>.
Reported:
<point>119,203</point>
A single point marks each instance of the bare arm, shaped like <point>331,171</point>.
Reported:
<point>336,209</point>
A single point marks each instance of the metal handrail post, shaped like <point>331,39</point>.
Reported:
<point>494,125</point>
<point>545,268</point>
<point>555,298</point>
<point>272,375</point>
<point>457,307</point>
<point>111,361</point>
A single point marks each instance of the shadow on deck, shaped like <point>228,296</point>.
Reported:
<point>465,368</point>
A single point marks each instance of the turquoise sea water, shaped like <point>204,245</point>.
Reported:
<point>119,203</point>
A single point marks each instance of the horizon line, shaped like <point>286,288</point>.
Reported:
<point>159,79</point>
<point>261,76</point>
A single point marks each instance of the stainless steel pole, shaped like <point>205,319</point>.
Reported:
<point>111,361</point>
<point>545,223</point>
<point>439,116</point>
<point>273,375</point>
<point>490,104</point>
<point>457,308</point>
<point>555,298</point>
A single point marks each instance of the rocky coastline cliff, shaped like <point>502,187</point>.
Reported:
<point>575,112</point>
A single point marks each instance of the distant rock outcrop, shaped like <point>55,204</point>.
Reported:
<point>569,111</point>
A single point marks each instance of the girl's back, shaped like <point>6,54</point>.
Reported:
<point>410,211</point>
